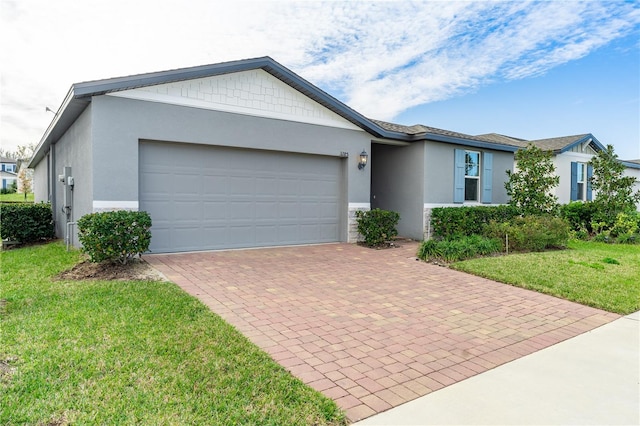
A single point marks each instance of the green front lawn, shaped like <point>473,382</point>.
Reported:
<point>17,197</point>
<point>131,352</point>
<point>605,276</point>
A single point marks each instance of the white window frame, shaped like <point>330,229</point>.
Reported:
<point>582,190</point>
<point>467,176</point>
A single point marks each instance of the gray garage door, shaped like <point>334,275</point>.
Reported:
<point>202,197</point>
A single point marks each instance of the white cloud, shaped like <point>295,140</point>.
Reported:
<point>379,57</point>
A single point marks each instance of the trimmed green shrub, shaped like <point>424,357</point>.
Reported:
<point>26,222</point>
<point>579,215</point>
<point>116,236</point>
<point>450,222</point>
<point>530,233</point>
<point>377,226</point>
<point>454,250</point>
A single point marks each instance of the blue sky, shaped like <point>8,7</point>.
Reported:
<point>596,94</point>
<point>526,69</point>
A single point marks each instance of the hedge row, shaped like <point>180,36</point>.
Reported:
<point>452,222</point>
<point>26,223</point>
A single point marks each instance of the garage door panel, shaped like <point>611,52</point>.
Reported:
<point>214,233</point>
<point>186,184</point>
<point>266,210</point>
<point>266,186</point>
<point>329,210</point>
<point>265,234</point>
<point>203,197</point>
<point>241,210</point>
<point>214,210</point>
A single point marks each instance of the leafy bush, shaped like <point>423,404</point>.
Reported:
<point>454,250</point>
<point>377,226</point>
<point>116,236</point>
<point>614,190</point>
<point>626,224</point>
<point>530,186</point>
<point>450,222</point>
<point>26,223</point>
<point>579,215</point>
<point>624,229</point>
<point>531,233</point>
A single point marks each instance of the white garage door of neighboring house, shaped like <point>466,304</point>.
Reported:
<point>204,197</point>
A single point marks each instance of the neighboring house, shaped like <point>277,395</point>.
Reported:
<point>8,172</point>
<point>249,154</point>
<point>571,157</point>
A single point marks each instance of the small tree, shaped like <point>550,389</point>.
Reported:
<point>25,177</point>
<point>614,190</point>
<point>530,185</point>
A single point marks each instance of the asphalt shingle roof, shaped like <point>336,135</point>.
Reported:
<point>498,138</point>
<point>557,144</point>
<point>421,129</point>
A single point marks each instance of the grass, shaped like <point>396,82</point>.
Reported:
<point>16,197</point>
<point>132,352</point>
<point>605,276</point>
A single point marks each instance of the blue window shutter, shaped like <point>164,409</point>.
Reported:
<point>458,177</point>
<point>487,177</point>
<point>589,176</point>
<point>574,181</point>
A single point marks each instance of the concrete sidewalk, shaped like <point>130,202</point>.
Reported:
<point>593,378</point>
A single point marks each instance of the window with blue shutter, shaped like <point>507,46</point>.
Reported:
<point>468,173</point>
<point>574,181</point>
<point>580,181</point>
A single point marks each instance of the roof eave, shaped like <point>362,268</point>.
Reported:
<point>467,142</point>
<point>69,111</point>
<point>630,164</point>
<point>583,139</point>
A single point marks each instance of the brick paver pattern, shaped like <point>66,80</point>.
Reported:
<point>373,329</point>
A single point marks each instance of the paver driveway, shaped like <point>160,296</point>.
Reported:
<point>373,329</point>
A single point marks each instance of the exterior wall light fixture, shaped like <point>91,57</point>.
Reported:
<point>363,160</point>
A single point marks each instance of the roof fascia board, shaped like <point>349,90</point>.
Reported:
<point>99,87</point>
<point>45,141</point>
<point>468,142</point>
<point>395,142</point>
<point>583,139</point>
<point>630,164</point>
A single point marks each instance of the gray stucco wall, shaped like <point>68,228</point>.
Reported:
<point>439,173</point>
<point>502,161</point>
<point>118,125</point>
<point>397,184</point>
<point>74,150</point>
<point>40,185</point>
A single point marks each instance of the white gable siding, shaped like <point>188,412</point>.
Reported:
<point>254,92</point>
